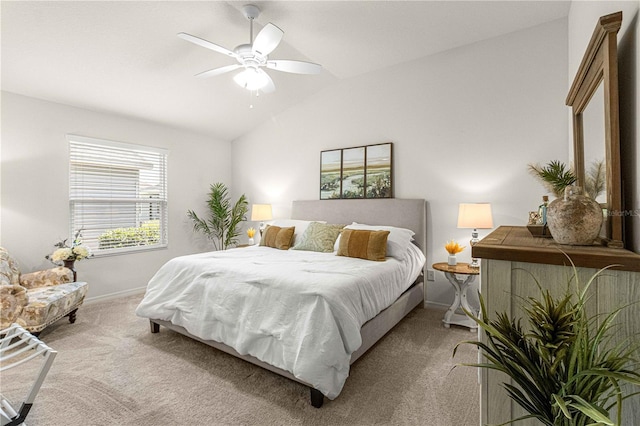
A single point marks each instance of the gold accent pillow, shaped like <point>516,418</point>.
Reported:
<point>276,237</point>
<point>369,245</point>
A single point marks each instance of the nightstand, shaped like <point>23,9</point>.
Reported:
<point>461,286</point>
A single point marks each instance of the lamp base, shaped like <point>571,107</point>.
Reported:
<point>474,240</point>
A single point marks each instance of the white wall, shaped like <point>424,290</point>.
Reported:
<point>582,19</point>
<point>35,186</point>
<point>465,123</point>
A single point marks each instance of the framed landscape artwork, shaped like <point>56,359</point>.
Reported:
<point>358,172</point>
<point>330,172</point>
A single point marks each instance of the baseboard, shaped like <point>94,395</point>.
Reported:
<point>436,305</point>
<point>117,295</point>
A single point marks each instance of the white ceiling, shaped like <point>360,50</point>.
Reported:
<point>124,57</point>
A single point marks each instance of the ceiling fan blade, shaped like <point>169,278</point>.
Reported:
<point>296,67</point>
<point>267,39</point>
<point>270,86</point>
<point>218,71</point>
<point>206,44</point>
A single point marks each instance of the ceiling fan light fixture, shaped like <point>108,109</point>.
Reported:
<point>251,79</point>
<point>254,56</point>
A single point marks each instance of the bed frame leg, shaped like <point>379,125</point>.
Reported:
<point>317,398</point>
<point>155,328</point>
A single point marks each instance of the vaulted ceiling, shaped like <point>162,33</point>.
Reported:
<point>124,57</point>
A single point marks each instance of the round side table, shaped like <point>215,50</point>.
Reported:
<point>461,286</point>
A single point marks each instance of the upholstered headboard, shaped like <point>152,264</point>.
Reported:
<point>403,213</point>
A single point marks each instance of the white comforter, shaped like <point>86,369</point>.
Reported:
<point>300,311</point>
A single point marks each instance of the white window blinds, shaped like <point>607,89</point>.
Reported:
<point>117,195</point>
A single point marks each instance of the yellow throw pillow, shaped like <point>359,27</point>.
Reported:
<point>369,245</point>
<point>276,237</point>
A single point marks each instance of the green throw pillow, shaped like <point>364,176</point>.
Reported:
<point>319,237</point>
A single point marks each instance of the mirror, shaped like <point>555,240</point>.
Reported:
<point>594,148</point>
<point>593,98</point>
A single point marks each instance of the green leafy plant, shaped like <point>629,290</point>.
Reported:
<point>224,218</point>
<point>555,176</point>
<point>566,369</point>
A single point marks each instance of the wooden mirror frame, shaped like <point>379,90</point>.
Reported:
<point>600,64</point>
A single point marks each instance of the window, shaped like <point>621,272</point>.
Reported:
<point>117,195</point>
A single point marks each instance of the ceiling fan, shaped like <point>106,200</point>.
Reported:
<point>252,57</point>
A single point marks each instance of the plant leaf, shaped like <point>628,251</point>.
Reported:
<point>591,410</point>
<point>563,406</point>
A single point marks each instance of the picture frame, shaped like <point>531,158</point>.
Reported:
<point>353,172</point>
<point>357,172</point>
<point>330,174</point>
<point>378,179</point>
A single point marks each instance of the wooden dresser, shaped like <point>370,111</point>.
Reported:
<point>511,257</point>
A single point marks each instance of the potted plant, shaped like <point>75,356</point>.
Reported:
<point>555,176</point>
<point>68,255</point>
<point>565,368</point>
<point>224,218</point>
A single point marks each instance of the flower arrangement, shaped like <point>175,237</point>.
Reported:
<point>251,232</point>
<point>453,247</point>
<point>77,250</point>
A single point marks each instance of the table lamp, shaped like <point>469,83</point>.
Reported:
<point>476,216</point>
<point>260,213</point>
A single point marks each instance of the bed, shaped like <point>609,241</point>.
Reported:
<point>304,315</point>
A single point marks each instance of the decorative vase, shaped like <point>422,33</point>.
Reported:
<point>452,260</point>
<point>71,264</point>
<point>574,219</point>
<point>251,241</point>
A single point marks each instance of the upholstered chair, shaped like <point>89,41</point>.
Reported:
<point>38,299</point>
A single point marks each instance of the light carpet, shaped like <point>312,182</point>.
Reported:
<point>110,370</point>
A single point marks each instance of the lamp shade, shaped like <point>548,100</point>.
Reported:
<point>260,212</point>
<point>251,79</point>
<point>475,215</point>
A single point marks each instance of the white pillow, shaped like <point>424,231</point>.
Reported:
<point>301,226</point>
<point>398,241</point>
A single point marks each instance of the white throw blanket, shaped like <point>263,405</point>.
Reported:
<point>297,310</point>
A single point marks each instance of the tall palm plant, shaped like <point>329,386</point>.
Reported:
<point>566,370</point>
<point>224,218</point>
